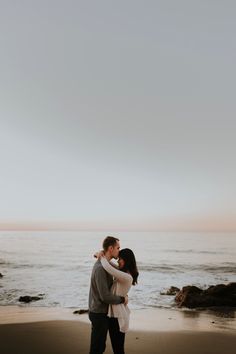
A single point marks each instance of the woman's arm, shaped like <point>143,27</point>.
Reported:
<point>100,254</point>
<point>118,274</point>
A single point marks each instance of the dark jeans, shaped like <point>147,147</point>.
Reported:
<point>100,323</point>
<point>117,337</point>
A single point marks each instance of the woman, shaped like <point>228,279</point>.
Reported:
<point>125,276</point>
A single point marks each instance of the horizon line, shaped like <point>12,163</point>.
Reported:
<point>62,226</point>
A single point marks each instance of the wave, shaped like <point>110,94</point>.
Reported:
<point>28,265</point>
<point>62,267</point>
<point>196,252</point>
<point>2,262</point>
<point>220,268</point>
<point>228,267</point>
<point>225,268</point>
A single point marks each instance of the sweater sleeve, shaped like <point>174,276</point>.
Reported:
<point>104,292</point>
<point>118,274</point>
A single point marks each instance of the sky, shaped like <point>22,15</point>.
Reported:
<point>118,114</point>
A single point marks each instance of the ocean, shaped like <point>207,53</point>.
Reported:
<point>58,264</point>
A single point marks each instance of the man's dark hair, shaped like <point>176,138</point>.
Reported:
<point>109,241</point>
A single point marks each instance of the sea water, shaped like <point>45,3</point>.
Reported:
<point>58,264</point>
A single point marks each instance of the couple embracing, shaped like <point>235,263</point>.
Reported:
<point>108,296</point>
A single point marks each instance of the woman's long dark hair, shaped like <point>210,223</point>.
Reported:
<point>130,263</point>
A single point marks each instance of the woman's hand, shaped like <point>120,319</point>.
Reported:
<point>99,254</point>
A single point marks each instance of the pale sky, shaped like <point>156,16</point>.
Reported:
<point>118,114</point>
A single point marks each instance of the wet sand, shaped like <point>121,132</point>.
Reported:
<point>27,330</point>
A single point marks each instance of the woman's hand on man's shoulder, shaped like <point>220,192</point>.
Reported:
<point>99,254</point>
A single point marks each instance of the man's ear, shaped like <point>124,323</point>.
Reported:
<point>110,248</point>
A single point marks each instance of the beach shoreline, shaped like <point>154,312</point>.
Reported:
<point>27,330</point>
<point>151,319</point>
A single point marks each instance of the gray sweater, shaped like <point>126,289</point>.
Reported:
<point>100,295</point>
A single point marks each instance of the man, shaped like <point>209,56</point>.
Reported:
<point>100,297</point>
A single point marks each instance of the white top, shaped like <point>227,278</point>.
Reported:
<point>121,285</point>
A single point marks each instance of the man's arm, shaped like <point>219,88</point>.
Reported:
<point>103,289</point>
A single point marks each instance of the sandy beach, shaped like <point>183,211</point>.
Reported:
<point>25,330</point>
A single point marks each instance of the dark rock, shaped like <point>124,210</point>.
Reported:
<point>1,275</point>
<point>28,298</point>
<point>214,296</point>
<point>221,289</point>
<point>172,291</point>
<point>80,312</point>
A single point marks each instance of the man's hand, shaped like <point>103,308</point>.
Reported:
<point>126,300</point>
